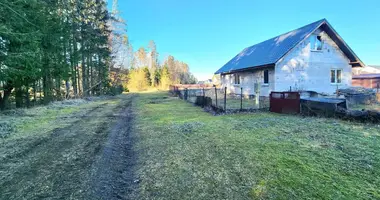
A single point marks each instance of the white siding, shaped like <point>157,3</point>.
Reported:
<point>303,69</point>
<point>247,82</point>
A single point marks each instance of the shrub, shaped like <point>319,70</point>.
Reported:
<point>115,90</point>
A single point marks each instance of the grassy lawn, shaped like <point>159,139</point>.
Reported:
<point>185,153</point>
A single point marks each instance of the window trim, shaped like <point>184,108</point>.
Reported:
<point>336,76</point>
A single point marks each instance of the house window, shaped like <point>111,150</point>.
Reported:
<point>266,76</point>
<point>237,79</point>
<point>316,43</point>
<point>336,76</point>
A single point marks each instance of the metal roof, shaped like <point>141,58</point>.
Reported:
<point>366,76</point>
<point>270,51</point>
<point>375,66</point>
<point>324,100</point>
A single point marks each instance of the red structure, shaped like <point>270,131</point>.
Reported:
<point>285,102</point>
<point>366,80</point>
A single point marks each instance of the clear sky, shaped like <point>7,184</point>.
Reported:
<point>206,34</point>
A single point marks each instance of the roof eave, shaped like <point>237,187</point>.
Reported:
<point>247,69</point>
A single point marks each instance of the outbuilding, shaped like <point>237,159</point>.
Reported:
<point>366,80</point>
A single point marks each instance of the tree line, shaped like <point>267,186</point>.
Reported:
<point>58,49</point>
<point>140,70</point>
<point>53,49</point>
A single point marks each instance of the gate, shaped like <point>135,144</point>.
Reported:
<point>285,102</point>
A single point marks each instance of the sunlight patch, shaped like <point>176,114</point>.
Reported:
<point>285,36</point>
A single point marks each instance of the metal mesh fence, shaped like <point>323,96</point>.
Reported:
<point>218,98</point>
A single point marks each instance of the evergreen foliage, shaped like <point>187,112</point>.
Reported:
<point>53,49</point>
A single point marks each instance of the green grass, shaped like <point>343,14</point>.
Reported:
<point>29,122</point>
<point>185,153</point>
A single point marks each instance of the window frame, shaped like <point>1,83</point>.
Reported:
<point>237,79</point>
<point>266,82</point>
<point>338,78</point>
<point>314,43</point>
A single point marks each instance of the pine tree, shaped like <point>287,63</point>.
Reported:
<point>47,44</point>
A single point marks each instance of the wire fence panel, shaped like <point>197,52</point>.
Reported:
<point>219,99</point>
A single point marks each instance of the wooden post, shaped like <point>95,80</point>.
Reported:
<point>257,94</point>
<point>290,89</point>
<point>378,86</point>
<point>241,98</point>
<point>337,90</point>
<point>216,97</point>
<point>225,98</point>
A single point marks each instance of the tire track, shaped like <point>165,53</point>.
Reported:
<point>113,175</point>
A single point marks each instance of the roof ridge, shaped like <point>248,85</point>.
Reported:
<point>270,51</point>
<point>319,21</point>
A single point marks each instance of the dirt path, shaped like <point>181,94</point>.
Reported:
<point>89,156</point>
<point>113,176</point>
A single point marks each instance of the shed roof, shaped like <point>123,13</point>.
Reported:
<point>366,76</point>
<point>324,100</point>
<point>375,66</point>
<point>272,50</point>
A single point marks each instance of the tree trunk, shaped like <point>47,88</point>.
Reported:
<point>84,71</point>
<point>19,102</point>
<point>67,85</point>
<point>100,76</point>
<point>74,61</point>
<point>47,86</point>
<point>27,96</point>
<point>7,92</point>
<point>34,93</point>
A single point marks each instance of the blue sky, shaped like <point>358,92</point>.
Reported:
<point>206,34</point>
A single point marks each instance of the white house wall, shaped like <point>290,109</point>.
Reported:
<point>303,69</point>
<point>247,82</point>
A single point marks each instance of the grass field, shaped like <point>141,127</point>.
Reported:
<point>153,146</point>
<point>185,153</point>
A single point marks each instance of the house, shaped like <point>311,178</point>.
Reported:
<point>312,58</point>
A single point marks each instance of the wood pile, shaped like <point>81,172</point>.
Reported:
<point>359,115</point>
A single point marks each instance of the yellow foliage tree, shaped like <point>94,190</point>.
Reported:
<point>165,79</point>
<point>137,80</point>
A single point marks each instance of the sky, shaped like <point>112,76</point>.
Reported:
<point>206,34</point>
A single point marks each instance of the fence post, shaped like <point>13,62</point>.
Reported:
<point>378,85</point>
<point>225,98</point>
<point>241,98</point>
<point>204,97</point>
<point>216,98</point>
<point>290,89</point>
